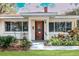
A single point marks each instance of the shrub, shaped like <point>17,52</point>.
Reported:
<point>76,43</point>
<point>59,42</point>
<point>61,35</point>
<point>68,43</point>
<point>72,39</point>
<point>5,41</point>
<point>55,41</point>
<point>25,43</point>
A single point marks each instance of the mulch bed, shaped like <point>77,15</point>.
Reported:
<point>14,49</point>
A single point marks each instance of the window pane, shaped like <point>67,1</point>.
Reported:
<point>51,27</point>
<point>7,26</point>
<point>60,26</point>
<point>16,26</point>
<point>25,26</point>
<point>56,26</point>
<point>78,24</point>
<point>68,26</point>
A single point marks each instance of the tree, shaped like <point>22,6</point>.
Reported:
<point>75,4</point>
<point>7,8</point>
<point>74,11</point>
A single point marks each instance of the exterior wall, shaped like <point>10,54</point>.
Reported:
<point>1,27</point>
<point>33,29</point>
<point>30,34</point>
<point>18,35</point>
<point>73,20</point>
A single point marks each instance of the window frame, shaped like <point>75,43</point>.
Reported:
<point>16,22</point>
<point>65,30</point>
<point>53,27</point>
<point>68,27</point>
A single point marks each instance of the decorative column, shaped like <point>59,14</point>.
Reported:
<point>29,29</point>
<point>48,29</point>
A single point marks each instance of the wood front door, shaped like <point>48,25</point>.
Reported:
<point>39,30</point>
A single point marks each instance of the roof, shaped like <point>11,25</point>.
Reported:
<point>39,14</point>
<point>66,16</point>
<point>52,15</point>
<point>10,16</point>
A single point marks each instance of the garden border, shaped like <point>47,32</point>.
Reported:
<point>56,48</point>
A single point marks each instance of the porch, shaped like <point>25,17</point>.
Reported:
<point>34,23</point>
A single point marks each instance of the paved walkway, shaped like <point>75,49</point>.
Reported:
<point>40,46</point>
<point>56,48</point>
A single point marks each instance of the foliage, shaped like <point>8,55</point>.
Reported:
<point>72,39</point>
<point>5,41</point>
<point>60,42</point>
<point>25,43</point>
<point>74,34</point>
<point>69,43</point>
<point>55,41</point>
<point>7,7</point>
<point>61,35</point>
<point>73,12</point>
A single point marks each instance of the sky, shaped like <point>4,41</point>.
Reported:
<point>58,7</point>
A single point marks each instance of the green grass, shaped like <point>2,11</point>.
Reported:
<point>41,53</point>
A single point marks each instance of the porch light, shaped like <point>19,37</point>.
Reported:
<point>32,27</point>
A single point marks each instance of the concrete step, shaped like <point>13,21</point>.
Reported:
<point>37,45</point>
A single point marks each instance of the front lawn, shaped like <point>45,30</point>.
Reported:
<point>41,53</point>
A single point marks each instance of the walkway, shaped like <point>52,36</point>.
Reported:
<point>41,46</point>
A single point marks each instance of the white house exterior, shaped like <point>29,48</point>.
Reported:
<point>36,26</point>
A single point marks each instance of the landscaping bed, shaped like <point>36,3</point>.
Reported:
<point>71,39</point>
<point>10,43</point>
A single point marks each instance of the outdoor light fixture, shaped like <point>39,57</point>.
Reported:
<point>32,27</point>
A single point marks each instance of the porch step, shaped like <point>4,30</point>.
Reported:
<point>37,45</point>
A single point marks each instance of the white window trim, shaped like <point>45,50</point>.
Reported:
<point>15,31</point>
<point>65,27</point>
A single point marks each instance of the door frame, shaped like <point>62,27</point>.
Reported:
<point>42,28</point>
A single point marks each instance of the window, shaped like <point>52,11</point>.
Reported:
<point>16,26</point>
<point>60,26</point>
<point>68,26</point>
<point>7,26</point>
<point>51,27</point>
<point>56,26</point>
<point>25,26</point>
<point>78,24</point>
